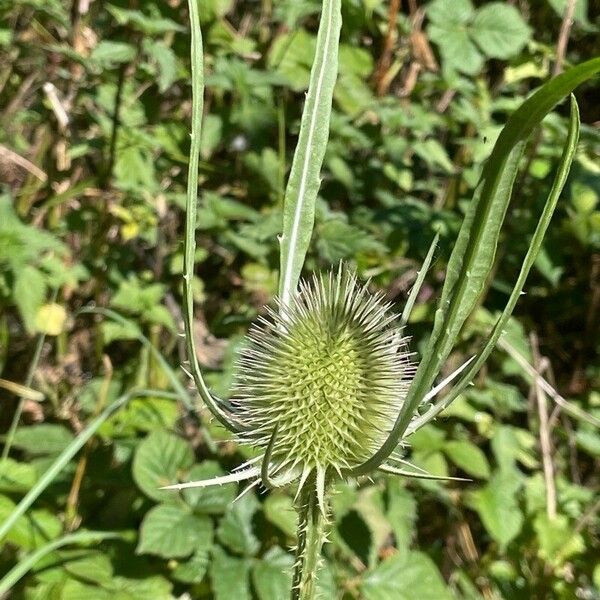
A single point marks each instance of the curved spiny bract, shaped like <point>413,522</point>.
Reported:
<point>330,371</point>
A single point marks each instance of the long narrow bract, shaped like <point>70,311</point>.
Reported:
<point>304,181</point>
<point>473,256</point>
<point>218,408</point>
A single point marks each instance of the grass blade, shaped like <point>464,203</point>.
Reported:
<point>304,181</point>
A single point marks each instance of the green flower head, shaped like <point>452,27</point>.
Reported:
<point>321,380</point>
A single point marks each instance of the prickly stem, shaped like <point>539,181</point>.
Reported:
<point>312,525</point>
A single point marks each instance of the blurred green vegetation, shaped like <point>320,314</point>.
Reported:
<point>94,121</point>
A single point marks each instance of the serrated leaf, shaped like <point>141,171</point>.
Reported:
<point>449,30</point>
<point>138,20</point>
<point>166,62</point>
<point>497,506</point>
<point>230,576</point>
<point>172,531</point>
<point>338,240</point>
<point>93,566</point>
<point>450,11</point>
<point>211,9</point>
<point>557,539</point>
<point>31,531</point>
<point>235,528</point>
<point>194,569</point>
<point>410,576</point>
<point>161,459</point>
<point>272,576</point>
<point>401,512</point>
<point>499,30</point>
<point>468,457</point>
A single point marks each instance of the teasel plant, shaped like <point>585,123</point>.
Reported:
<point>326,387</point>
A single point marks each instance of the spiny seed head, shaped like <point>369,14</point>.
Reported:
<point>329,371</point>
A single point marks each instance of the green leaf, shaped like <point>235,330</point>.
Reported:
<point>406,576</point>
<point>497,506</point>
<point>557,539</point>
<point>29,294</point>
<point>279,510</point>
<point>118,331</point>
<point>434,154</point>
<point>352,94</point>
<point>230,576</point>
<point>580,15</point>
<point>401,512</point>
<point>43,439</point>
<point>304,181</point>
<point>449,30</point>
<point>499,30</point>
<point>589,441</point>
<point>371,508</point>
<point>235,528</point>
<point>63,459</point>
<point>173,532</point>
<point>161,459</point>
<point>211,500</point>
<point>6,36</point>
<point>108,53</point>
<point>93,566</point>
<point>291,55</point>
<point>143,23</point>
<point>458,12</point>
<point>157,588</point>
<point>193,570</point>
<point>166,62</point>
<point>29,531</point>
<point>16,476</point>
<point>338,240</point>
<point>211,9</point>
<point>26,563</point>
<point>468,457</point>
<point>272,576</point>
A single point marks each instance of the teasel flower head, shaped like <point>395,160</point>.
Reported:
<point>321,381</point>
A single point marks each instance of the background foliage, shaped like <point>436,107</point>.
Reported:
<point>94,113</point>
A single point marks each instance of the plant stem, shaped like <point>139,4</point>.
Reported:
<point>311,536</point>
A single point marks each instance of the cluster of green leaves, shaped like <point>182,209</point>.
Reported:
<point>105,227</point>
